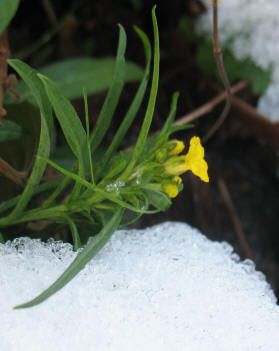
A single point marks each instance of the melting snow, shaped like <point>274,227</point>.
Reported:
<point>163,288</point>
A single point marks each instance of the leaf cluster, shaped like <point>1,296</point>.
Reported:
<point>90,198</point>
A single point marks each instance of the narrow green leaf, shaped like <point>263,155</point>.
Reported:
<point>2,240</point>
<point>130,220</point>
<point>74,231</point>
<point>7,11</point>
<point>158,199</point>
<point>72,75</point>
<point>88,135</point>
<point>167,126</point>
<point>113,94</point>
<point>6,205</point>
<point>152,100</point>
<point>133,109</point>
<point>71,126</point>
<point>93,246</point>
<point>69,121</point>
<point>115,168</point>
<point>29,76</point>
<point>10,130</point>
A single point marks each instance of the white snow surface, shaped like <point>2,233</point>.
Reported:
<point>253,28</point>
<point>163,288</point>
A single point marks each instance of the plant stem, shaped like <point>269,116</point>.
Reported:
<point>4,55</point>
<point>218,52</point>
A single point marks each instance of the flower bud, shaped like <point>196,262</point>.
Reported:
<point>171,189</point>
<point>161,155</point>
<point>175,147</point>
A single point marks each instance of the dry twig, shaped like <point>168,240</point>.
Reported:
<point>4,55</point>
<point>209,106</point>
<point>235,219</point>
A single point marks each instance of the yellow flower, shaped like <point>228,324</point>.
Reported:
<point>171,189</point>
<point>193,161</point>
<point>175,147</point>
<point>177,179</point>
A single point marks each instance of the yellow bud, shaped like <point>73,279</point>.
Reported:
<point>175,147</point>
<point>177,180</point>
<point>171,189</point>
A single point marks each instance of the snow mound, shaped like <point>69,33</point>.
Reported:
<point>163,288</point>
<point>252,27</point>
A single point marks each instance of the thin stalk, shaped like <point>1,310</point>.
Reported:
<point>218,52</point>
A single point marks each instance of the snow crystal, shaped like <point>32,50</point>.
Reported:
<point>252,29</point>
<point>163,288</point>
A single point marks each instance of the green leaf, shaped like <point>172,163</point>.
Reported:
<point>117,165</point>
<point>113,94</point>
<point>93,246</point>
<point>167,126</point>
<point>151,103</point>
<point>88,135</point>
<point>70,124</point>
<point>159,200</point>
<point>29,75</point>
<point>10,130</point>
<point>133,109</point>
<point>7,11</point>
<point>35,88</point>
<point>74,231</point>
<point>72,75</point>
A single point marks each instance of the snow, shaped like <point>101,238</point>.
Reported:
<point>163,288</point>
<point>252,27</point>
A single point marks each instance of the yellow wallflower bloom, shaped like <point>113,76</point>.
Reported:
<point>193,161</point>
<point>171,189</point>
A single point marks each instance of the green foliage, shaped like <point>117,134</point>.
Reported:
<point>91,196</point>
<point>10,131</point>
<point>7,11</point>
<point>72,75</point>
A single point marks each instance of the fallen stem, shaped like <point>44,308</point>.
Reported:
<point>235,219</point>
<point>210,105</point>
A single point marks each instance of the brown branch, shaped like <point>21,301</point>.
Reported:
<point>4,55</point>
<point>235,219</point>
<point>209,106</point>
<point>9,172</point>
<point>218,52</point>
